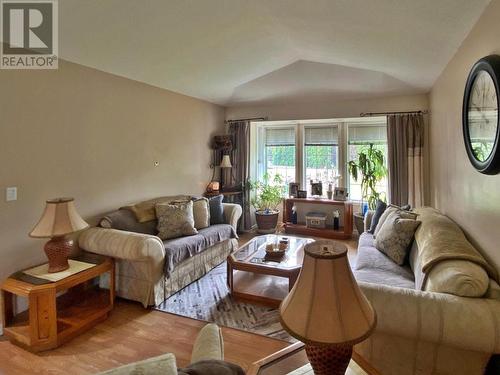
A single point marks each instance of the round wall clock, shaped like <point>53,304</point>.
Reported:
<point>480,115</point>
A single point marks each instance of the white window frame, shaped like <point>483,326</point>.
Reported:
<point>257,152</point>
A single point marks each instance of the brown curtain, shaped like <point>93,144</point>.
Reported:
<point>405,140</point>
<point>240,158</point>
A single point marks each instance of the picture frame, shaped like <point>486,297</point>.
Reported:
<point>302,194</point>
<point>293,189</point>
<point>316,189</point>
<point>340,194</point>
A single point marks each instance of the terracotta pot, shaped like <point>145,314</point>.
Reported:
<point>266,222</point>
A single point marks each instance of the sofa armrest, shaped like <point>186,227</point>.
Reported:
<point>122,245</point>
<point>368,219</point>
<point>208,345</point>
<point>461,322</point>
<point>232,213</point>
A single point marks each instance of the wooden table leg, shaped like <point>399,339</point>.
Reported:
<point>292,279</point>
<point>112,281</point>
<point>7,308</point>
<point>230,277</point>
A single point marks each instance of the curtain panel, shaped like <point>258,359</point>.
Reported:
<point>405,141</point>
<point>240,174</point>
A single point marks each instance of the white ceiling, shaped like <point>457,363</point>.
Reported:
<point>234,52</point>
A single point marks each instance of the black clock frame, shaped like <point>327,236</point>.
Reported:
<point>491,65</point>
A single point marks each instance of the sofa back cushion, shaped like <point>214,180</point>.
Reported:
<point>127,221</point>
<point>446,260</point>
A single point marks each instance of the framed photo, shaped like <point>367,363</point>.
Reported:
<point>316,189</point>
<point>340,194</point>
<point>302,194</point>
<point>293,189</point>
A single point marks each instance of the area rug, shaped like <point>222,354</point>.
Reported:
<point>208,299</point>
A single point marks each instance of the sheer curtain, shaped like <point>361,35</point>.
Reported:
<point>405,141</point>
<point>240,158</point>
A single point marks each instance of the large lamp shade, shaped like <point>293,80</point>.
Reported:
<point>326,307</point>
<point>58,219</point>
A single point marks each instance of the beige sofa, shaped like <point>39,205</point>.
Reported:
<point>419,329</point>
<point>140,260</point>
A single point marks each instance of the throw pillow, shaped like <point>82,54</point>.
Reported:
<point>175,219</point>
<point>201,213</point>
<point>390,209</point>
<point>379,210</point>
<point>396,235</point>
<point>216,210</point>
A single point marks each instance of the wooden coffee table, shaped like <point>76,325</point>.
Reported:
<point>254,277</point>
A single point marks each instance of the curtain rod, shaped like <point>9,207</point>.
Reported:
<point>368,114</point>
<point>247,119</point>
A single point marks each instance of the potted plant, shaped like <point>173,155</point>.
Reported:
<point>370,164</point>
<point>268,196</point>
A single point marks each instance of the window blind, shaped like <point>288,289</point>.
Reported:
<point>320,136</point>
<point>363,134</point>
<point>280,137</point>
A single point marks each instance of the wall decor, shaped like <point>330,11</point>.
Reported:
<point>480,119</point>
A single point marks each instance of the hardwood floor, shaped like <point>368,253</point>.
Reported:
<point>130,334</point>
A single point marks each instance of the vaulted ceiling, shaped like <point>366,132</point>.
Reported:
<point>234,52</point>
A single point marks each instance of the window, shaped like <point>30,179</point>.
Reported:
<point>318,150</point>
<point>320,155</point>
<point>279,153</point>
<point>360,136</point>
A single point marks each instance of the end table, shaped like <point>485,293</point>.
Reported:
<point>55,317</point>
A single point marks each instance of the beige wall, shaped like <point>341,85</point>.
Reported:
<point>330,109</point>
<point>94,136</point>
<point>468,197</point>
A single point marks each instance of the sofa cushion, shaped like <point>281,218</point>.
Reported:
<point>182,248</point>
<point>395,236</point>
<point>175,219</point>
<point>458,277</point>
<point>163,364</point>
<point>379,210</point>
<point>216,210</point>
<point>125,220</point>
<point>374,267</point>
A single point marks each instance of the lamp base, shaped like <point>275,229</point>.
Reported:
<point>329,360</point>
<point>57,251</point>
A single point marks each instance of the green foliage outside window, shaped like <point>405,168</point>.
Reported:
<point>316,156</point>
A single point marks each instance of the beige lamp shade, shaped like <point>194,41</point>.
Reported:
<point>226,162</point>
<point>59,218</point>
<point>326,306</point>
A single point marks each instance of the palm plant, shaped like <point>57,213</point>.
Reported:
<point>370,164</point>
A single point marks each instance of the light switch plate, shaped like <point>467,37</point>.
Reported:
<point>11,194</point>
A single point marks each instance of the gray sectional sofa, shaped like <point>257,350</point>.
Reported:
<point>443,319</point>
<point>148,269</point>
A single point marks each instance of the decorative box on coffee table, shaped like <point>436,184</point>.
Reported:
<point>58,310</point>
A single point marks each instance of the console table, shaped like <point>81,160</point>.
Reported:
<point>346,220</point>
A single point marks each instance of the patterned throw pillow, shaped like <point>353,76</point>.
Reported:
<point>406,214</point>
<point>201,213</point>
<point>175,219</point>
<point>396,235</point>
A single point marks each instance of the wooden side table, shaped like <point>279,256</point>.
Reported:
<point>55,317</point>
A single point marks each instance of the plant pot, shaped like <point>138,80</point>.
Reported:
<point>359,222</point>
<point>266,222</point>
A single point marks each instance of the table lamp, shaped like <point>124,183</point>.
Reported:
<point>326,310</point>
<point>58,220</point>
